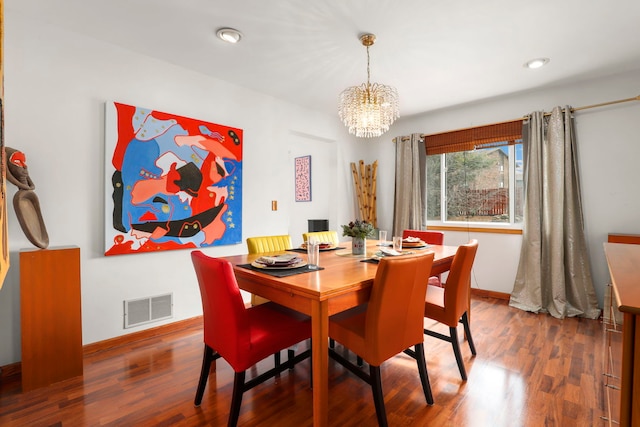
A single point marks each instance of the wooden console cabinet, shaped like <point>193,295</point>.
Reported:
<point>50,316</point>
<point>622,358</point>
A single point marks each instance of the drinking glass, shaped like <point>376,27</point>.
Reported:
<point>382,237</point>
<point>397,243</point>
<point>313,254</point>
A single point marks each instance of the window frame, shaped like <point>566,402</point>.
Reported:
<point>490,136</point>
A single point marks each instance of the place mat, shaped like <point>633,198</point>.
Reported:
<point>350,254</point>
<point>304,251</point>
<point>282,273</point>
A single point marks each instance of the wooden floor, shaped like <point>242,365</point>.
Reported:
<point>531,370</point>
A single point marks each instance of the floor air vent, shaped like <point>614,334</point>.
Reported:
<point>146,310</point>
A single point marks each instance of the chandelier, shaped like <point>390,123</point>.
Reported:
<point>369,109</point>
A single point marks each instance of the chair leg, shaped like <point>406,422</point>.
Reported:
<point>359,361</point>
<point>276,359</point>
<point>422,369</point>
<point>236,399</point>
<point>207,358</point>
<point>332,343</point>
<point>456,351</point>
<point>378,398</point>
<point>290,355</point>
<point>467,330</point>
<point>311,372</point>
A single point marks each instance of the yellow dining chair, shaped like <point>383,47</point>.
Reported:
<point>260,244</point>
<point>322,236</point>
<point>390,323</point>
<point>450,304</point>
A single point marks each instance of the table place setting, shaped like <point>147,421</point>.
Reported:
<point>389,252</point>
<point>324,246</point>
<point>413,243</point>
<point>386,252</point>
<point>279,261</point>
<point>282,265</point>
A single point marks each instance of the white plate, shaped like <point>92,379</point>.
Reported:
<point>414,246</point>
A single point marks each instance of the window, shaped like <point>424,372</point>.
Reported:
<point>476,175</point>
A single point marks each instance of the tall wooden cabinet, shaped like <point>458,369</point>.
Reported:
<point>622,357</point>
<point>50,316</point>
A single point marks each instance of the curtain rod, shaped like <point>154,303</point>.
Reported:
<point>602,104</point>
<point>586,107</point>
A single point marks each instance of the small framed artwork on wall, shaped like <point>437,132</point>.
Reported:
<point>303,178</point>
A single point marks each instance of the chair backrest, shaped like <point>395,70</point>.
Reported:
<point>322,236</point>
<point>226,323</point>
<point>260,244</point>
<point>458,286</point>
<point>431,237</point>
<point>395,313</point>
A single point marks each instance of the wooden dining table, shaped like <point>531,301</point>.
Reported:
<point>344,282</point>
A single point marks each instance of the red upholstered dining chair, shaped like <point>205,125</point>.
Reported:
<point>241,336</point>
<point>450,304</point>
<point>390,323</point>
<point>432,238</point>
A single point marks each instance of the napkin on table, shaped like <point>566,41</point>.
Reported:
<point>285,259</point>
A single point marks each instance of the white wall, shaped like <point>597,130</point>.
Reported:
<point>56,83</point>
<point>324,171</point>
<point>608,141</point>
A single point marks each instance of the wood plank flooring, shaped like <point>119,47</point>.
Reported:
<point>531,370</point>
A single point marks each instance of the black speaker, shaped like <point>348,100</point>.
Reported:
<point>318,225</point>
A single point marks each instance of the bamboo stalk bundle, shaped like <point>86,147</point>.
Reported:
<point>364,181</point>
<point>356,184</point>
<point>373,201</point>
<point>367,191</point>
<point>363,193</point>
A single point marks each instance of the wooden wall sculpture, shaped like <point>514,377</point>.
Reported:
<point>4,244</point>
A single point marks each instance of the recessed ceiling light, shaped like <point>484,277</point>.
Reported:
<point>537,63</point>
<point>229,35</point>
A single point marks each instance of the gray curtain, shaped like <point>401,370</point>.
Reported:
<point>554,273</point>
<point>408,209</point>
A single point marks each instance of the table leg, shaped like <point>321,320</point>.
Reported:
<point>320,362</point>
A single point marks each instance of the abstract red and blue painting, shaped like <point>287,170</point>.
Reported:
<point>171,182</point>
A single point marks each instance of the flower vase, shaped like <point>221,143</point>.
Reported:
<point>358,246</point>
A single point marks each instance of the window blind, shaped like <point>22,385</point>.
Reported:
<point>494,135</point>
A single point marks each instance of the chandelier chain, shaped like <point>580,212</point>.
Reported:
<point>368,77</point>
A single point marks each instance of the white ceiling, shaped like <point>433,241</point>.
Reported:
<point>437,53</point>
